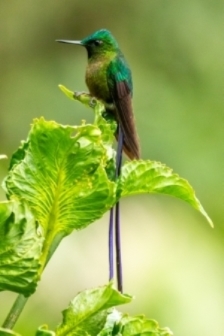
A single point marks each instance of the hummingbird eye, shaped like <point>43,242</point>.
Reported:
<point>97,42</point>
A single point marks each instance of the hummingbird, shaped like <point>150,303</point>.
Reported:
<point>109,79</point>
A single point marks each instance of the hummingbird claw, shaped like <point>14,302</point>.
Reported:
<point>77,94</point>
<point>92,102</point>
<point>82,95</point>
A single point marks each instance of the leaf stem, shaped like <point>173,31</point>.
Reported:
<point>56,241</point>
<point>15,312</point>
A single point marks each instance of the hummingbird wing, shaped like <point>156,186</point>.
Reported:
<point>120,86</point>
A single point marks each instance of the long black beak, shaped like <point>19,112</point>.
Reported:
<point>70,42</point>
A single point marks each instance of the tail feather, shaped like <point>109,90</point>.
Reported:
<point>131,142</point>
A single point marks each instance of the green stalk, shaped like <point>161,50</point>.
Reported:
<point>15,312</point>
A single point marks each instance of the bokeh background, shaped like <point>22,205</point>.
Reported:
<point>173,260</point>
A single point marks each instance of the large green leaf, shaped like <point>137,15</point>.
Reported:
<point>91,314</point>
<point>21,241</point>
<point>87,313</point>
<point>65,176</point>
<point>61,172</point>
<point>138,177</point>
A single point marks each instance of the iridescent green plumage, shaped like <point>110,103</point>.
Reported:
<point>109,79</point>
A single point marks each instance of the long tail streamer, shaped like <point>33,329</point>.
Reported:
<point>117,224</point>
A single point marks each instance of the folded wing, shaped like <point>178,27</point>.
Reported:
<point>120,86</point>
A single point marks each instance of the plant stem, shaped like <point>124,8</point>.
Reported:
<point>21,300</point>
<point>56,241</point>
<point>15,312</point>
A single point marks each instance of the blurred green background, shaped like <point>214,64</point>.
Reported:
<point>173,260</point>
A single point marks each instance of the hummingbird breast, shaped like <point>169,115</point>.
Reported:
<point>96,78</point>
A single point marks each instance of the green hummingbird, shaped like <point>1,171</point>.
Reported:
<point>109,79</point>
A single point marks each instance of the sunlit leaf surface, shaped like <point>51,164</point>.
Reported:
<point>91,314</point>
<point>87,313</point>
<point>21,242</point>
<point>140,177</point>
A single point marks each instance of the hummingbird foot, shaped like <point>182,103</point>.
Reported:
<point>85,97</point>
<point>77,94</point>
<point>92,102</point>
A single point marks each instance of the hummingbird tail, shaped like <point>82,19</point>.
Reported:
<point>126,119</point>
<point>131,148</point>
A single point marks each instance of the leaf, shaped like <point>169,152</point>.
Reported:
<point>119,324</point>
<point>62,175</point>
<point>44,331</point>
<point>112,322</point>
<point>90,314</point>
<point>140,325</point>
<point>8,332</point>
<point>66,91</point>
<point>87,313</point>
<point>2,156</point>
<point>21,243</point>
<point>61,172</point>
<point>138,177</point>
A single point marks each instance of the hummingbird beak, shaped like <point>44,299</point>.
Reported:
<point>70,42</point>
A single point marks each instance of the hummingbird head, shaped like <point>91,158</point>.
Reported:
<point>98,43</point>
